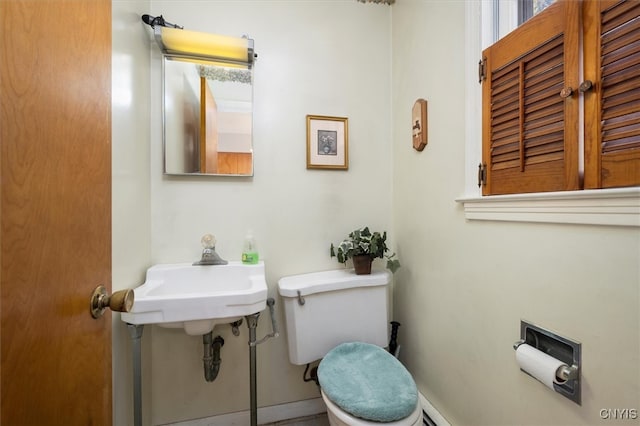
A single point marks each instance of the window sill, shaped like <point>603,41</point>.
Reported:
<point>613,207</point>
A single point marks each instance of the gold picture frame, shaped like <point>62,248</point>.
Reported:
<point>327,142</point>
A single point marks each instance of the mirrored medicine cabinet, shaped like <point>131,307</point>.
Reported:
<point>207,118</point>
<point>207,103</point>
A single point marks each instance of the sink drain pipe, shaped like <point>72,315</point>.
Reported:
<point>211,358</point>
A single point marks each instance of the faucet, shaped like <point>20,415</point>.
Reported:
<point>209,255</point>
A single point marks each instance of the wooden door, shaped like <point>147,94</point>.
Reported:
<point>55,211</point>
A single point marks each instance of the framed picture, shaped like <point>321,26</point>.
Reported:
<point>327,142</point>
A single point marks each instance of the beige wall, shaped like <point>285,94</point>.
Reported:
<point>315,57</point>
<point>465,285</point>
<point>131,228</point>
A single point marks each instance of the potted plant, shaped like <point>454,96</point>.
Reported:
<point>363,246</point>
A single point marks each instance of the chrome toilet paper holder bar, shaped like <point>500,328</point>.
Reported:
<point>561,348</point>
<point>565,373</point>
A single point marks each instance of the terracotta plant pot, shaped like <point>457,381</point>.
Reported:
<point>362,264</point>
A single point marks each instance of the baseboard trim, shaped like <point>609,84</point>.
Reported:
<point>292,410</point>
<point>270,414</point>
<point>433,414</point>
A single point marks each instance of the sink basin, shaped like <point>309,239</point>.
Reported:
<point>196,298</point>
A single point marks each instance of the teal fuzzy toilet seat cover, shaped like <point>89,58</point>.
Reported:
<point>367,382</point>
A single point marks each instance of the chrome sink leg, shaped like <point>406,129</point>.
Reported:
<point>252,323</point>
<point>135,331</point>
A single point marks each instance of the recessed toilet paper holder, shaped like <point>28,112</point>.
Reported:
<point>566,350</point>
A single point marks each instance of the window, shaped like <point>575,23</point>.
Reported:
<point>528,8</point>
<point>540,93</point>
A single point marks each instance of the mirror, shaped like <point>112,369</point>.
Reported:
<point>207,117</point>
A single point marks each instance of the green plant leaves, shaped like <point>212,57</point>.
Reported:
<point>363,241</point>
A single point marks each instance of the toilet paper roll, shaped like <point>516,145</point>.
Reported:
<point>539,365</point>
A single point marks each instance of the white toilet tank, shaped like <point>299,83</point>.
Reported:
<point>324,309</point>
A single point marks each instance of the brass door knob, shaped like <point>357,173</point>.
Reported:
<point>120,301</point>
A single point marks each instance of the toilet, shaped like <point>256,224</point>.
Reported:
<point>341,318</point>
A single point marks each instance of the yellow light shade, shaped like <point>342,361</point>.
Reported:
<point>204,45</point>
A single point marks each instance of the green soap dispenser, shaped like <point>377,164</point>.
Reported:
<point>250,250</point>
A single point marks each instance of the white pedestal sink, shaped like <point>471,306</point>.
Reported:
<point>196,298</point>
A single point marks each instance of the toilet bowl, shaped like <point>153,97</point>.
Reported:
<point>338,417</point>
<point>342,319</point>
<point>362,384</point>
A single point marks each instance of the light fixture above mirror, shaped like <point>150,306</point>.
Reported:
<point>216,47</point>
<point>207,102</point>
<point>175,40</point>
